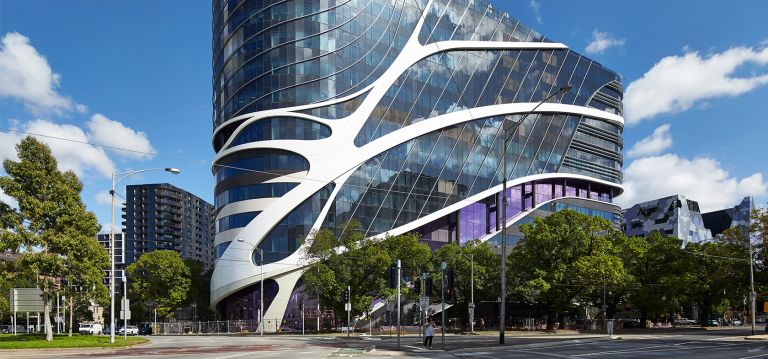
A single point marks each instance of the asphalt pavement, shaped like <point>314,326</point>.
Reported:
<point>676,343</point>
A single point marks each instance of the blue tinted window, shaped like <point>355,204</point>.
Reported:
<point>286,237</point>
<point>221,248</point>
<point>261,190</point>
<point>235,221</point>
<point>281,128</point>
<point>260,160</point>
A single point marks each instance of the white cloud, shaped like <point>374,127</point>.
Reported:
<point>81,158</point>
<point>8,199</point>
<point>80,108</point>
<point>702,179</point>
<point>107,132</point>
<point>602,41</point>
<point>654,144</point>
<point>26,76</point>
<point>536,6</point>
<point>676,83</point>
<point>103,197</point>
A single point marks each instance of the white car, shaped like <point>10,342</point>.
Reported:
<point>132,330</point>
<point>90,328</point>
<point>684,321</point>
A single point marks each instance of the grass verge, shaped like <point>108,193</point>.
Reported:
<point>37,341</point>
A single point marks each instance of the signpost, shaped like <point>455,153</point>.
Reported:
<point>26,300</point>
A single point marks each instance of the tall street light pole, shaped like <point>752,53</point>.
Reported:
<point>115,181</point>
<point>752,293</point>
<point>503,296</point>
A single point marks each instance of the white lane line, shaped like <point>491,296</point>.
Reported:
<point>233,355</point>
<point>754,356</point>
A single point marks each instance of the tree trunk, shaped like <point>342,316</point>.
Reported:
<point>643,316</point>
<point>71,311</point>
<point>561,319</point>
<point>47,312</point>
<point>550,321</point>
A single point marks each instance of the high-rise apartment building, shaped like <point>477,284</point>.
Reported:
<point>161,216</point>
<point>396,114</point>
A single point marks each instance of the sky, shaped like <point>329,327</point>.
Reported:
<point>137,75</point>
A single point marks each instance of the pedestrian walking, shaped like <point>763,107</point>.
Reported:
<point>429,332</point>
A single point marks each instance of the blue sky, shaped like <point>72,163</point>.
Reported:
<point>138,75</point>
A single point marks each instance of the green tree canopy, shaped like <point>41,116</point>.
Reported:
<point>51,223</point>
<point>564,258</point>
<point>361,263</point>
<point>162,278</point>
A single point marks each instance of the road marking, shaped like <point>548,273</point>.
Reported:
<point>233,355</point>
<point>754,356</point>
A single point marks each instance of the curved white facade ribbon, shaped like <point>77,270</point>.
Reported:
<point>401,128</point>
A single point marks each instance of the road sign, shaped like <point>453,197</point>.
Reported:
<point>424,302</point>
<point>347,306</point>
<point>471,312</point>
<point>123,315</point>
<point>27,300</point>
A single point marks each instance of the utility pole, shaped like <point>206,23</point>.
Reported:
<point>752,293</point>
<point>443,265</point>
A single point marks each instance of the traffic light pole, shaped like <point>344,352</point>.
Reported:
<point>443,265</point>
<point>349,308</point>
<point>398,304</point>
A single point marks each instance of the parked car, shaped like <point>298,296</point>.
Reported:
<point>107,330</point>
<point>736,322</point>
<point>684,321</point>
<point>145,329</point>
<point>132,330</point>
<point>713,323</point>
<point>90,328</point>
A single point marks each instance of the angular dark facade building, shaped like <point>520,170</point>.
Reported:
<point>164,217</point>
<point>396,114</point>
<point>680,217</point>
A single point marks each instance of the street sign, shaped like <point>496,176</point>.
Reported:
<point>27,300</point>
<point>471,312</point>
<point>347,306</point>
<point>123,315</point>
<point>424,302</point>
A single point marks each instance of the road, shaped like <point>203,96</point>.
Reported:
<point>642,344</point>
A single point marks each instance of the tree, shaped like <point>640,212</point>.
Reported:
<point>51,218</point>
<point>83,271</point>
<point>360,263</point>
<point>160,277</point>
<point>656,265</point>
<point>562,258</point>
<point>199,292</point>
<point>715,271</point>
<point>460,258</point>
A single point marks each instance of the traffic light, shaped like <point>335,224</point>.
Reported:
<point>392,277</point>
<point>417,286</point>
<point>428,286</point>
<point>449,284</point>
<point>345,296</point>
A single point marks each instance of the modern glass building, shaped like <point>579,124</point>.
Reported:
<point>394,113</point>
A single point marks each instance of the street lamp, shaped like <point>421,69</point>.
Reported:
<point>122,175</point>
<point>472,291</point>
<point>562,90</point>
<point>261,302</point>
